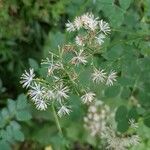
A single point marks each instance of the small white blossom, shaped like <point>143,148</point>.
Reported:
<point>41,104</point>
<point>78,23</point>
<point>133,124</point>
<point>89,21</point>
<point>49,95</point>
<point>100,38</point>
<point>111,78</point>
<point>134,140</point>
<point>36,92</point>
<point>27,78</point>
<point>98,76</point>
<point>104,27</point>
<point>80,58</point>
<point>79,41</point>
<point>88,97</point>
<point>61,92</point>
<point>70,27</point>
<point>64,110</point>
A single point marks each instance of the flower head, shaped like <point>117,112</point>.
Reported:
<point>100,38</point>
<point>64,110</point>
<point>88,97</point>
<point>98,76</point>
<point>111,78</point>
<point>49,95</point>
<point>133,124</point>
<point>78,23</point>
<point>27,78</point>
<point>80,58</point>
<point>104,27</point>
<point>89,21</point>
<point>41,104</point>
<point>70,27</point>
<point>37,92</point>
<point>61,92</point>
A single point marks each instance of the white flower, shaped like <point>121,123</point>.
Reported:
<point>134,140</point>
<point>104,27</point>
<point>119,142</point>
<point>88,97</point>
<point>70,27</point>
<point>61,92</point>
<point>80,58</point>
<point>79,41</point>
<point>36,92</point>
<point>78,23</point>
<point>41,104</point>
<point>89,21</point>
<point>27,78</point>
<point>111,78</point>
<point>98,76</point>
<point>64,110</point>
<point>49,95</point>
<point>100,38</point>
<point>133,124</point>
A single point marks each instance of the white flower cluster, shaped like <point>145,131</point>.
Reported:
<point>42,95</point>
<point>119,142</point>
<point>88,22</point>
<point>98,29</point>
<point>100,76</point>
<point>62,77</point>
<point>96,118</point>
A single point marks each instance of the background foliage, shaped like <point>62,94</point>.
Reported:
<point>29,29</point>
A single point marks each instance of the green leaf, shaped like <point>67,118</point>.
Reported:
<point>121,113</point>
<point>133,114</point>
<point>126,81</point>
<point>5,114</point>
<point>126,93</point>
<point>4,145</point>
<point>2,122</point>
<point>144,98</point>
<point>123,125</point>
<point>9,134</point>
<point>15,125</point>
<point>11,104</point>
<point>21,101</point>
<point>18,135</point>
<point>147,120</point>
<point>4,135</point>
<point>112,91</point>
<point>114,53</point>
<point>23,115</point>
<point>125,3</point>
<point>33,64</point>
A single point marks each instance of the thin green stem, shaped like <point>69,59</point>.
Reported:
<point>56,120</point>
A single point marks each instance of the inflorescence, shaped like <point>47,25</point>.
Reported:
<point>62,79</point>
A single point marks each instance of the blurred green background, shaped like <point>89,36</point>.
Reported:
<point>30,28</point>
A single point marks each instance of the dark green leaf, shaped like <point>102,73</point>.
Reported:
<point>121,113</point>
